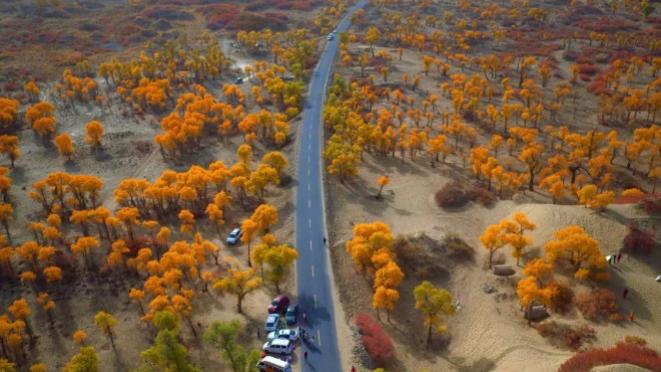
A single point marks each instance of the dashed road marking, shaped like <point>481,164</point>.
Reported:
<point>315,301</point>
<point>312,269</point>
<point>319,337</point>
<point>309,187</point>
<point>309,203</point>
<point>310,244</point>
<point>310,225</point>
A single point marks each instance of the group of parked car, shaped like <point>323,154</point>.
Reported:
<point>280,340</point>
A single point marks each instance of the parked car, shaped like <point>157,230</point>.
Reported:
<point>279,346</point>
<point>239,80</point>
<point>279,304</point>
<point>331,37</point>
<point>289,334</point>
<point>292,314</point>
<point>234,236</point>
<point>272,323</point>
<point>269,363</point>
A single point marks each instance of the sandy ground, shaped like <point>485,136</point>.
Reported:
<point>488,332</point>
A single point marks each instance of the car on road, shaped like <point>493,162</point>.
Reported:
<point>289,334</point>
<point>291,316</point>
<point>272,323</point>
<point>279,304</point>
<point>234,236</point>
<point>279,346</point>
<point>331,37</point>
<point>269,363</point>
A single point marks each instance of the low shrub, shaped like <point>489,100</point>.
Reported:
<point>651,204</point>
<point>622,353</point>
<point>458,249</point>
<point>452,195</point>
<point>570,55</point>
<point>563,335</point>
<point>456,194</point>
<point>599,304</point>
<point>639,241</point>
<point>377,343</point>
<point>588,69</point>
<point>562,298</point>
<point>482,196</point>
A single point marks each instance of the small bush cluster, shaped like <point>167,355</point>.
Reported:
<point>458,249</point>
<point>651,204</point>
<point>376,341</point>
<point>562,298</point>
<point>629,351</point>
<point>564,335</point>
<point>599,304</point>
<point>456,194</point>
<point>639,241</point>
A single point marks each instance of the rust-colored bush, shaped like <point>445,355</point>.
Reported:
<point>563,335</point>
<point>456,194</point>
<point>600,304</point>
<point>623,352</point>
<point>562,298</point>
<point>639,241</point>
<point>651,204</point>
<point>374,339</point>
<point>588,69</point>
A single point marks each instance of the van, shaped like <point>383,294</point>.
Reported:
<point>269,363</point>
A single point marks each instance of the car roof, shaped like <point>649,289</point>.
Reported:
<point>280,341</point>
<point>273,316</point>
<point>236,229</point>
<point>275,361</point>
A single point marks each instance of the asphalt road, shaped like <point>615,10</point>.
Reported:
<point>314,287</point>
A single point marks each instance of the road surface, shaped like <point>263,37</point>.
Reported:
<point>314,287</point>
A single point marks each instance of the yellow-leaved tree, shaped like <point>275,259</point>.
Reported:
<point>433,303</point>
<point>368,239</point>
<point>573,245</point>
<point>238,282</point>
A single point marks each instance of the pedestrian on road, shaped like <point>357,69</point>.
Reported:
<point>625,293</point>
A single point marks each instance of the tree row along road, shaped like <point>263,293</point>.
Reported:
<point>314,287</point>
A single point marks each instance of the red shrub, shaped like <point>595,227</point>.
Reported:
<point>639,241</point>
<point>588,69</point>
<point>651,204</point>
<point>599,304</point>
<point>376,341</point>
<point>456,194</point>
<point>563,335</point>
<point>623,352</point>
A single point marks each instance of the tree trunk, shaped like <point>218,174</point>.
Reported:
<point>429,335</point>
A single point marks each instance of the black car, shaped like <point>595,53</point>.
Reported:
<point>292,314</point>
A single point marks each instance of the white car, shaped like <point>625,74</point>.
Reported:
<point>288,334</point>
<point>269,363</point>
<point>279,346</point>
<point>234,236</point>
<point>272,323</point>
<point>331,37</point>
